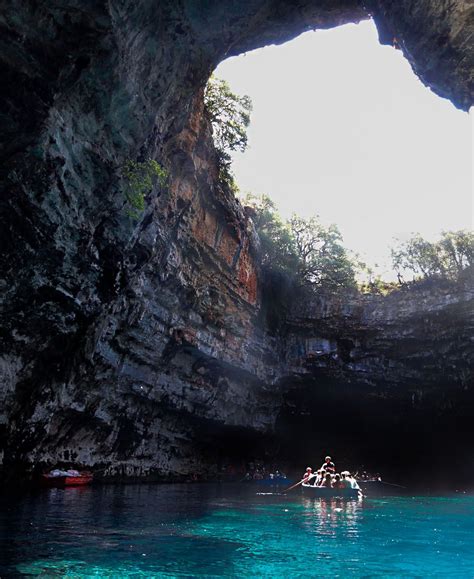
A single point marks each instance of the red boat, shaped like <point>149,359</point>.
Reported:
<point>67,479</point>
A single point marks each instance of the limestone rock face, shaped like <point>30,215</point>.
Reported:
<point>436,37</point>
<point>383,377</point>
<point>139,344</point>
<point>421,336</point>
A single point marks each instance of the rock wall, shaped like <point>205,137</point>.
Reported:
<point>435,36</point>
<point>384,381</point>
<point>173,341</point>
<point>139,345</point>
<point>420,335</point>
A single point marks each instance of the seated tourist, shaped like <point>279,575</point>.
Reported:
<point>345,482</point>
<point>337,484</point>
<point>315,479</point>
<point>353,482</point>
<point>319,477</point>
<point>328,465</point>
<point>327,481</point>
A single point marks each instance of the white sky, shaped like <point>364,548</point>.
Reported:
<point>343,128</point>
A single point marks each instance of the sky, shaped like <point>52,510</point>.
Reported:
<point>342,128</point>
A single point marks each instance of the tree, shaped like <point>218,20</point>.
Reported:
<point>230,117</point>
<point>457,250</point>
<point>277,244</point>
<point>303,248</point>
<point>322,259</point>
<point>417,255</point>
<point>447,258</point>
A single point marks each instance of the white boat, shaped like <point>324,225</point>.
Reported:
<point>326,492</point>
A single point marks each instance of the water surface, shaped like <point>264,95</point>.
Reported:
<point>229,530</point>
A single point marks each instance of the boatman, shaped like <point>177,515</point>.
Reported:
<point>328,465</point>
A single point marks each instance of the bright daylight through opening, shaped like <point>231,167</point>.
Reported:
<point>342,128</point>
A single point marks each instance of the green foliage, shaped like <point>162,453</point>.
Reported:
<point>303,248</point>
<point>447,258</point>
<point>230,116</point>
<point>322,259</point>
<point>227,178</point>
<point>377,286</point>
<point>140,178</point>
<point>277,247</point>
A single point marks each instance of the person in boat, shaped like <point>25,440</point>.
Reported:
<point>315,479</point>
<point>337,483</point>
<point>355,485</point>
<point>328,465</point>
<point>353,482</point>
<point>319,477</point>
<point>345,482</point>
<point>327,481</point>
<point>308,475</point>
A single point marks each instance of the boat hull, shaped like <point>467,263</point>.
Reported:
<point>328,493</point>
<point>66,481</point>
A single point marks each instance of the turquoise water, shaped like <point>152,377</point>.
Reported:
<point>213,531</point>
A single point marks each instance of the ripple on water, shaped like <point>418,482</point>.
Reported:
<point>211,530</point>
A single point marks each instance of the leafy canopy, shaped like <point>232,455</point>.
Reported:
<point>447,258</point>
<point>276,243</point>
<point>230,117</point>
<point>322,259</point>
<point>304,248</point>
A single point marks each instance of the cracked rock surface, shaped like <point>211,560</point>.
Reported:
<point>139,345</point>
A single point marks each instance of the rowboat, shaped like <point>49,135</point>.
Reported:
<point>327,493</point>
<point>66,480</point>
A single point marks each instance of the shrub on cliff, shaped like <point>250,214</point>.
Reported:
<point>229,114</point>
<point>375,285</point>
<point>278,251</point>
<point>139,179</point>
<point>448,258</point>
<point>305,249</point>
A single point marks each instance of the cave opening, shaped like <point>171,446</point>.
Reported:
<point>378,430</point>
<point>343,128</point>
<point>147,324</point>
<point>360,141</point>
<point>145,337</point>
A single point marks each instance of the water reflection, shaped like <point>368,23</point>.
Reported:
<point>83,526</point>
<point>332,517</point>
<point>209,531</point>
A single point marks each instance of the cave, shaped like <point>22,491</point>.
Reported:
<point>147,348</point>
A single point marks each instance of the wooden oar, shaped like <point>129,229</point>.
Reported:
<point>392,484</point>
<point>294,486</point>
<point>298,483</point>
